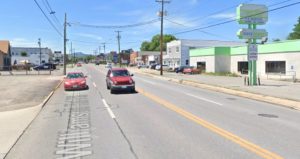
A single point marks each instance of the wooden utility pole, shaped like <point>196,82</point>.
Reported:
<point>161,14</point>
<point>119,37</point>
<point>65,43</point>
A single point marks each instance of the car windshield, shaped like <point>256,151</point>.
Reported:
<point>75,75</point>
<point>117,73</point>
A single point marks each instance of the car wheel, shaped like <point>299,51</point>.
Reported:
<point>112,91</point>
<point>107,86</point>
<point>133,90</point>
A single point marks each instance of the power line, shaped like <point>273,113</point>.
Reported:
<point>233,20</point>
<point>51,11</point>
<point>115,26</point>
<point>48,19</point>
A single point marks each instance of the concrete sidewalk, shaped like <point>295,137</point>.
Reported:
<point>277,92</point>
<point>22,98</point>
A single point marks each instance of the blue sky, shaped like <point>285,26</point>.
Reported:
<point>23,23</point>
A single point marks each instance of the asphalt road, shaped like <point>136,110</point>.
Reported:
<point>162,120</point>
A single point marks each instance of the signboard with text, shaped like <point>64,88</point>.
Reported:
<point>252,34</point>
<point>252,14</point>
<point>252,52</point>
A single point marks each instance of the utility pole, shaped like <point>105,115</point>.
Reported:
<point>119,37</point>
<point>39,42</point>
<point>103,47</point>
<point>65,43</point>
<point>161,14</point>
<point>99,50</point>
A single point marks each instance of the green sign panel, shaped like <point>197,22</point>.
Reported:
<point>252,34</point>
<point>252,14</point>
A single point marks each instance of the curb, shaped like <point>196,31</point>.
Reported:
<point>41,107</point>
<point>259,97</point>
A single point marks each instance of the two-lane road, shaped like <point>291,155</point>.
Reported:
<point>161,120</point>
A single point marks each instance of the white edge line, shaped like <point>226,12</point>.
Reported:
<point>201,98</point>
<point>112,115</point>
<point>94,84</point>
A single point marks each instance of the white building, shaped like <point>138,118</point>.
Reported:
<point>275,60</point>
<point>30,55</point>
<point>58,57</point>
<point>178,50</point>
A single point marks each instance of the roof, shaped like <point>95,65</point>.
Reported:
<point>4,46</point>
<point>204,43</point>
<point>150,53</point>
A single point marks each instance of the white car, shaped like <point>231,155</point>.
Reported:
<point>108,65</point>
<point>165,67</point>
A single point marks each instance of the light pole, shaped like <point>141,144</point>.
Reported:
<point>39,42</point>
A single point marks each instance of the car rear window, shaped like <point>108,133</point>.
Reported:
<point>75,75</point>
<point>120,73</point>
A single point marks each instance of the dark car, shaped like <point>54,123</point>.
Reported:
<point>181,68</point>
<point>118,79</point>
<point>153,66</point>
<point>45,66</point>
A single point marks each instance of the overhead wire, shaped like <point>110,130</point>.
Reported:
<point>51,23</point>
<point>233,20</point>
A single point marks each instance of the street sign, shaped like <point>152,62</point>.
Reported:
<point>252,52</point>
<point>252,14</point>
<point>252,34</point>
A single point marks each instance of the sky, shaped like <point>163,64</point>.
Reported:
<point>23,23</point>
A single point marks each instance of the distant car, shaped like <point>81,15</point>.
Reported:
<point>45,66</point>
<point>152,66</point>
<point>108,65</point>
<point>180,69</point>
<point>165,67</point>
<point>142,66</point>
<point>97,63</point>
<point>78,64</point>
<point>75,81</point>
<point>191,70</point>
<point>118,79</point>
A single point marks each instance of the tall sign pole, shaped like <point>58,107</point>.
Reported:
<point>161,14</point>
<point>252,15</point>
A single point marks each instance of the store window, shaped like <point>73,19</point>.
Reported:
<point>275,67</point>
<point>201,66</point>
<point>243,67</point>
<point>177,49</point>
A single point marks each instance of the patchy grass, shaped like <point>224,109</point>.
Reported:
<point>229,74</point>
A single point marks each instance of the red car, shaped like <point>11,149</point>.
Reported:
<point>78,64</point>
<point>190,70</point>
<point>118,79</point>
<point>75,81</point>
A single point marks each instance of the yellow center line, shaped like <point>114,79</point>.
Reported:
<point>226,134</point>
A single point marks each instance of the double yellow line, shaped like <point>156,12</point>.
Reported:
<point>234,138</point>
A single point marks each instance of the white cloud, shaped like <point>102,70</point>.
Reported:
<point>92,36</point>
<point>223,15</point>
<point>22,42</point>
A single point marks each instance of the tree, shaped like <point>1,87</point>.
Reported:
<point>23,53</point>
<point>296,32</point>
<point>154,45</point>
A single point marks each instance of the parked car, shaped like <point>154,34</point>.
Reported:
<point>118,79</point>
<point>142,66</point>
<point>108,65</point>
<point>165,67</point>
<point>191,70</point>
<point>75,81</point>
<point>152,66</point>
<point>97,63</point>
<point>180,69</point>
<point>45,66</point>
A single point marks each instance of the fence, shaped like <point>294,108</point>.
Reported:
<point>287,76</point>
<point>22,70</point>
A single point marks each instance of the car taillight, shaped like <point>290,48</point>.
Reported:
<point>131,81</point>
<point>67,83</point>
<point>82,82</point>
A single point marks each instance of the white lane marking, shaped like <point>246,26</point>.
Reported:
<point>94,84</point>
<point>147,81</point>
<point>112,115</point>
<point>204,99</point>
